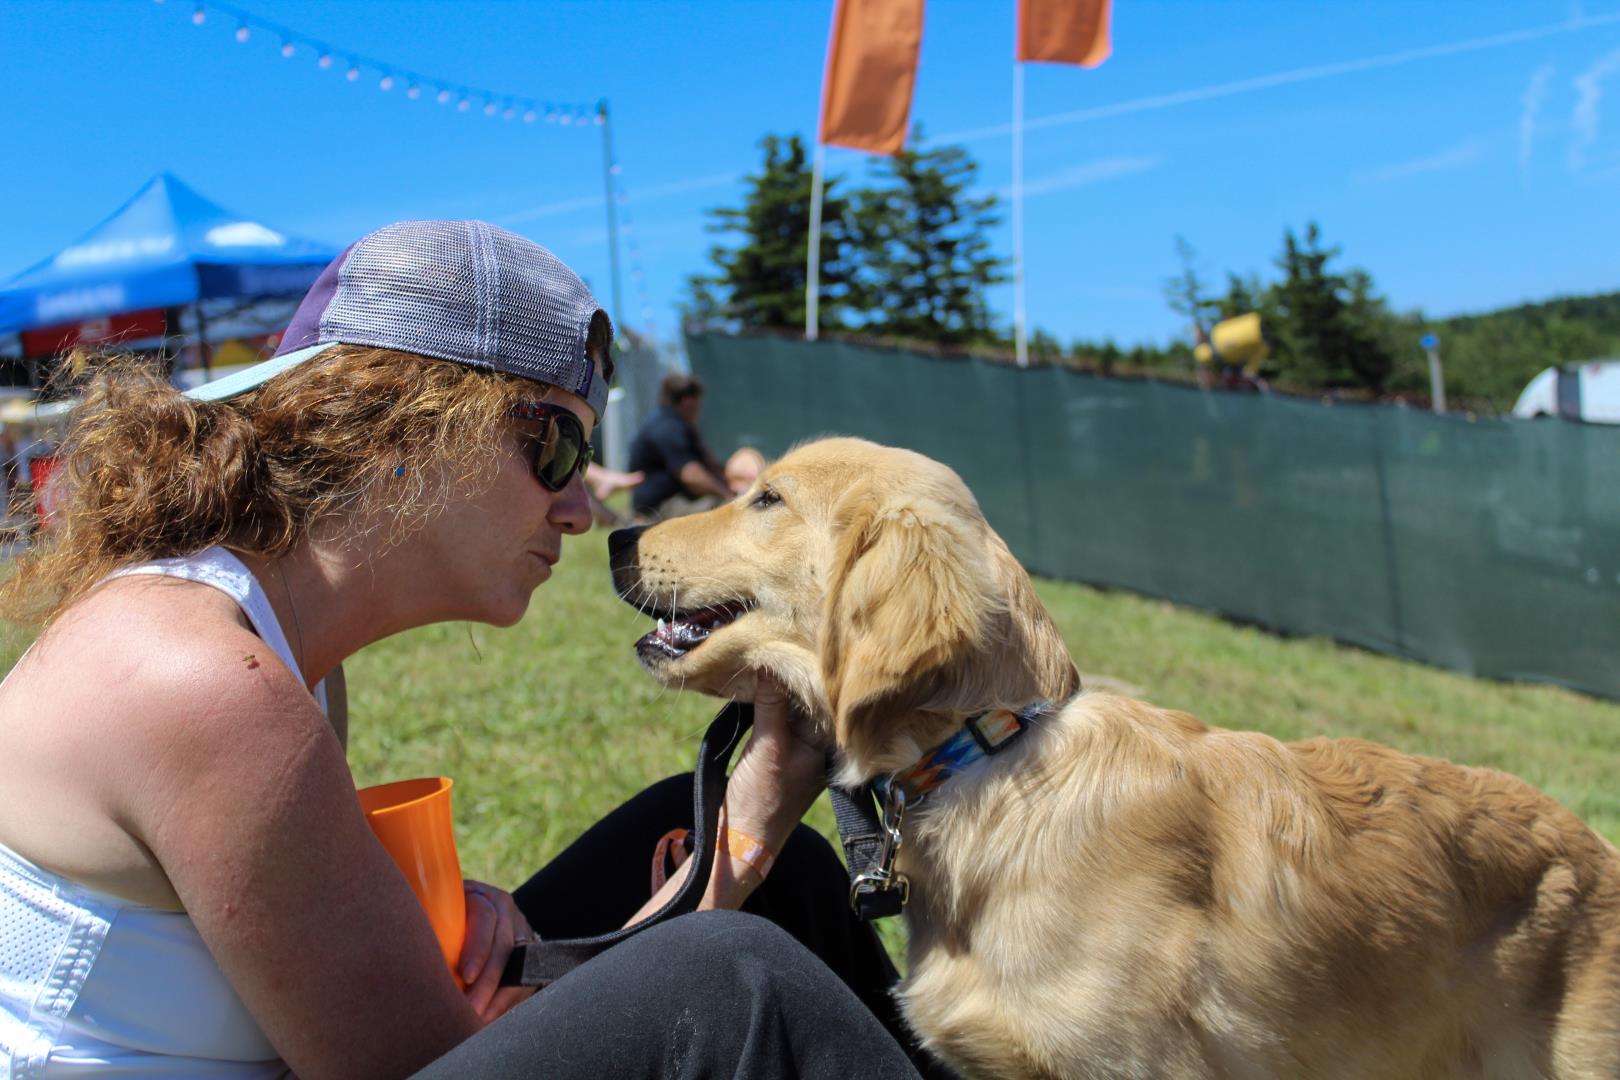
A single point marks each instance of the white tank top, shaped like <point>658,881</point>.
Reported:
<point>93,986</point>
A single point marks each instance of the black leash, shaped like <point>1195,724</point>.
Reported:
<point>541,963</point>
<point>870,844</point>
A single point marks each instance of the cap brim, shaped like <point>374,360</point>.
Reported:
<point>257,375</point>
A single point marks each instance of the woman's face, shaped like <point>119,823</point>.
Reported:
<point>487,553</point>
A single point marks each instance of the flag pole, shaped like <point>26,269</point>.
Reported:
<point>812,275</point>
<point>1020,317</point>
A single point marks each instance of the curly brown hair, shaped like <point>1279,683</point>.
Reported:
<point>149,473</point>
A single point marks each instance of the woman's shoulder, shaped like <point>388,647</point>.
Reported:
<point>136,687</point>
<point>156,643</point>
<point>131,629</point>
<point>138,669</point>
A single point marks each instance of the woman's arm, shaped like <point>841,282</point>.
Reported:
<point>238,786</point>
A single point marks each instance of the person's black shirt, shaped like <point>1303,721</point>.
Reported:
<point>663,446</point>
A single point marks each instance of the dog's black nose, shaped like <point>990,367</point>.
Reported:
<point>622,545</point>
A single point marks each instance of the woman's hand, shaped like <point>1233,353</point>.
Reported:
<point>494,926</point>
<point>779,773</point>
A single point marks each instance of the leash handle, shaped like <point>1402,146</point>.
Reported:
<point>542,963</point>
<point>875,891</point>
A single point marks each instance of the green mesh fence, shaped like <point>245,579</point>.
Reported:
<point>1489,547</point>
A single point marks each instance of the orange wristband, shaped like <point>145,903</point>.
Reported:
<point>668,856</point>
<point>750,849</point>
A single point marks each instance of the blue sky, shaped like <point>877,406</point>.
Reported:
<point>1466,152</point>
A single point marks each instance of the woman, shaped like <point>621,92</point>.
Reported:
<point>187,884</point>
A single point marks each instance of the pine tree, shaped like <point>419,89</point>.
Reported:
<point>1044,348</point>
<point>924,257</point>
<point>760,283</point>
<point>1321,341</point>
<point>1243,295</point>
<point>1108,356</point>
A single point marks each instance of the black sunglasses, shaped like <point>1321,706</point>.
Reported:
<point>560,450</point>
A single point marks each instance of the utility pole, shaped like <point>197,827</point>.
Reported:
<point>812,270</point>
<point>608,166</point>
<point>1020,316</point>
<point>204,350</point>
<point>1437,384</point>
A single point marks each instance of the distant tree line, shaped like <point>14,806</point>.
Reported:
<point>905,259</point>
<point>1331,330</point>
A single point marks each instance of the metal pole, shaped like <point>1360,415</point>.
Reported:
<point>1020,337</point>
<point>172,340</point>
<point>612,207</point>
<point>204,350</point>
<point>812,273</point>
<point>1437,384</point>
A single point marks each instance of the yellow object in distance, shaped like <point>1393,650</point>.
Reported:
<point>1239,341</point>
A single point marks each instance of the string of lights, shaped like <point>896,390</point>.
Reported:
<point>414,85</point>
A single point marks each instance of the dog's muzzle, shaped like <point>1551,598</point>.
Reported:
<point>678,631</point>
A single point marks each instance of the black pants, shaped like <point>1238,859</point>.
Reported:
<point>793,986</point>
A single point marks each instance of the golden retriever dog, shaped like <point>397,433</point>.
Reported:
<point>1123,891</point>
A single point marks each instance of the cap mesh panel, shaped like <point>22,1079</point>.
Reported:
<point>468,292</point>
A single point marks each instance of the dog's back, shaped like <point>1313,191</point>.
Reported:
<point>1176,900</point>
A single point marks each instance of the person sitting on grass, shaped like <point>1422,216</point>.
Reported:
<point>681,476</point>
<point>188,886</point>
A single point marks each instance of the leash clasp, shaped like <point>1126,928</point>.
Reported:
<point>883,890</point>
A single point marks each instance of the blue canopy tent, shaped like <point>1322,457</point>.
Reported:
<point>167,248</point>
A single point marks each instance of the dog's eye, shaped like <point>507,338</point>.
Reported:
<point>765,499</point>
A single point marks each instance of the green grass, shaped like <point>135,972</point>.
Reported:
<point>548,725</point>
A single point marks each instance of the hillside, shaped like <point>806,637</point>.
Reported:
<point>1492,355</point>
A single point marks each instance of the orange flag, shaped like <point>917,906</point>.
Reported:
<point>871,69</point>
<point>1064,31</point>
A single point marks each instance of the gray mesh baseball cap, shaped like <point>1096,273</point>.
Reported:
<point>465,291</point>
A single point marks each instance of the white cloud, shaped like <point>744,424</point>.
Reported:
<point>637,195</point>
<point>1535,94</point>
<point>1453,157</point>
<point>648,233</point>
<point>1087,172</point>
<point>552,209</point>
<point>1283,78</point>
<point>1588,97</point>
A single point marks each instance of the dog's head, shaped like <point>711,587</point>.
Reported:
<point>867,581</point>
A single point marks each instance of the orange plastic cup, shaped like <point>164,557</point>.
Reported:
<point>412,819</point>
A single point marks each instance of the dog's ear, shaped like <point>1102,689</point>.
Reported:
<point>907,596</point>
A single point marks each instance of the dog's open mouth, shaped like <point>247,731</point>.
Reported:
<point>684,631</point>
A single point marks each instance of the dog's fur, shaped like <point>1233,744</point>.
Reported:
<point>1125,891</point>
